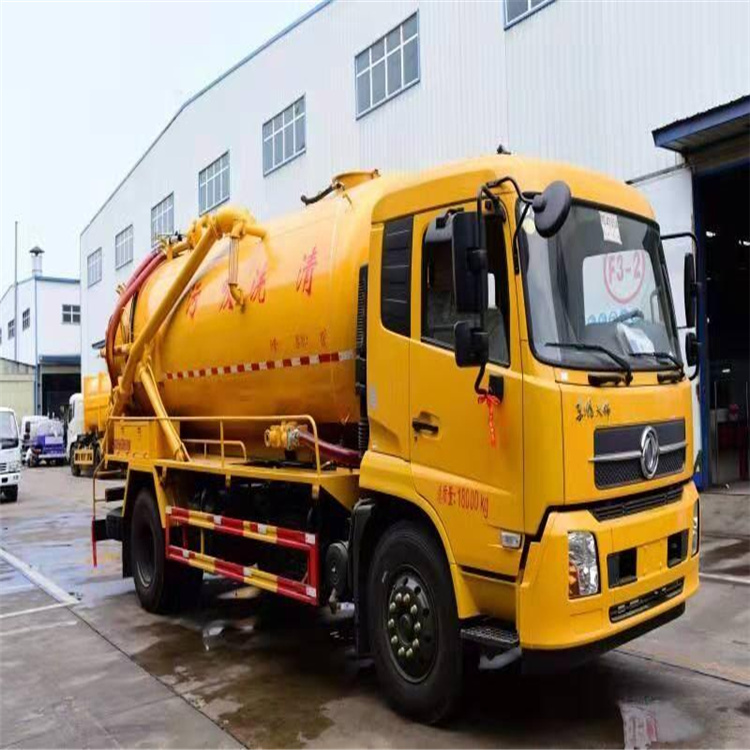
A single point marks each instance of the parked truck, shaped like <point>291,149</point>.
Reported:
<point>10,455</point>
<point>88,413</point>
<point>454,400</point>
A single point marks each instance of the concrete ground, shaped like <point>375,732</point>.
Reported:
<point>81,665</point>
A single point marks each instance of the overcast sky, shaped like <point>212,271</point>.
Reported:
<point>84,89</point>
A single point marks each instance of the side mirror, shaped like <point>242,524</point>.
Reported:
<point>689,290</point>
<point>692,348</point>
<point>551,208</point>
<point>472,344</point>
<point>469,265</point>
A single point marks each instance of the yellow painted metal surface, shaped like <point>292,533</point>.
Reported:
<point>96,392</point>
<point>548,619</point>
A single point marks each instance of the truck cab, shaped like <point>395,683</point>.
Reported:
<point>76,428</point>
<point>10,455</point>
<point>541,412</point>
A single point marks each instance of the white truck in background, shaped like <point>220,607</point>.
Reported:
<point>10,455</point>
<point>76,427</point>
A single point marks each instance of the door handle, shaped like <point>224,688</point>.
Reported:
<point>420,425</point>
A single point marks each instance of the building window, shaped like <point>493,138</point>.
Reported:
<point>387,67</point>
<point>162,219</point>
<point>11,329</point>
<point>517,10</point>
<point>71,314</point>
<point>284,136</point>
<point>94,267</point>
<point>124,247</point>
<point>26,319</point>
<point>213,184</point>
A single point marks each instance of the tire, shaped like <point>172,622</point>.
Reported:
<point>161,586</point>
<point>427,683</point>
<point>10,494</point>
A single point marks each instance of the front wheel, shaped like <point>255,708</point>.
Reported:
<point>413,624</point>
<point>11,494</point>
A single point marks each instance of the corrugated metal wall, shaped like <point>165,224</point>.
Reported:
<point>579,81</point>
<point>589,81</point>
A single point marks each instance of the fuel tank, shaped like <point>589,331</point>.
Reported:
<point>289,347</point>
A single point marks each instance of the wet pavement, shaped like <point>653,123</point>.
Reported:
<point>250,669</point>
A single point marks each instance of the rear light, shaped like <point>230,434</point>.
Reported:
<point>583,565</point>
<point>696,528</point>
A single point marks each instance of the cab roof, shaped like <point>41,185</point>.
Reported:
<point>459,180</point>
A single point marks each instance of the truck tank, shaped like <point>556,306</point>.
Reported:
<point>289,348</point>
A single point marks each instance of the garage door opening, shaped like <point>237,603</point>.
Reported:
<point>721,200</point>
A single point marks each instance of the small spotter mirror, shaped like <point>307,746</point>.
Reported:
<point>551,208</point>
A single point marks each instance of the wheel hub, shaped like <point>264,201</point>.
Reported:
<point>410,623</point>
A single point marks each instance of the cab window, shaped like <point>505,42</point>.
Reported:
<point>439,314</point>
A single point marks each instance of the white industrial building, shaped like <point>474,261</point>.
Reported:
<point>40,327</point>
<point>656,94</point>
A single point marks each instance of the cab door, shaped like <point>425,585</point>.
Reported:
<point>466,451</point>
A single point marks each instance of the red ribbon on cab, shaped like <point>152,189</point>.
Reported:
<point>492,402</point>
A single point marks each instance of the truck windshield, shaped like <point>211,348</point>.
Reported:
<point>8,430</point>
<point>597,293</point>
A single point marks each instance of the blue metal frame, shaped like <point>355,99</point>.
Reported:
<point>702,478</point>
<point>509,24</point>
<point>667,136</point>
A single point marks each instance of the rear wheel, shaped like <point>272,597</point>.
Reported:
<point>161,585</point>
<point>413,624</point>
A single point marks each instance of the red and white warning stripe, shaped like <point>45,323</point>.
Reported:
<point>271,364</point>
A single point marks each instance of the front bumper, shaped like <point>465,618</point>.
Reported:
<point>548,620</point>
<point>9,480</point>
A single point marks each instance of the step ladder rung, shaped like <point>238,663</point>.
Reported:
<point>492,634</point>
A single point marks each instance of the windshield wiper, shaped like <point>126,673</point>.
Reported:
<point>662,356</point>
<point>622,363</point>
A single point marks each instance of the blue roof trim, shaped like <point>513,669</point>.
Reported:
<point>667,136</point>
<point>254,53</point>
<point>54,279</point>
<point>59,359</point>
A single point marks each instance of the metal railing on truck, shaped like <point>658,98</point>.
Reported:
<point>232,460</point>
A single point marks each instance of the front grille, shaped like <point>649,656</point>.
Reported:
<point>613,473</point>
<point>636,503</point>
<point>617,452</point>
<point>3,468</point>
<point>647,601</point>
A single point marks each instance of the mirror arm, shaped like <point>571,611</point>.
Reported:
<point>477,383</point>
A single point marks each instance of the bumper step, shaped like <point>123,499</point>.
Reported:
<point>491,634</point>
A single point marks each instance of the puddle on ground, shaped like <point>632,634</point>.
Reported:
<point>262,668</point>
<point>726,552</point>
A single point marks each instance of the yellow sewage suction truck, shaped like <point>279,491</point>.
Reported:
<point>453,400</point>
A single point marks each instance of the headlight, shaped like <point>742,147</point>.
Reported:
<point>696,527</point>
<point>583,566</point>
